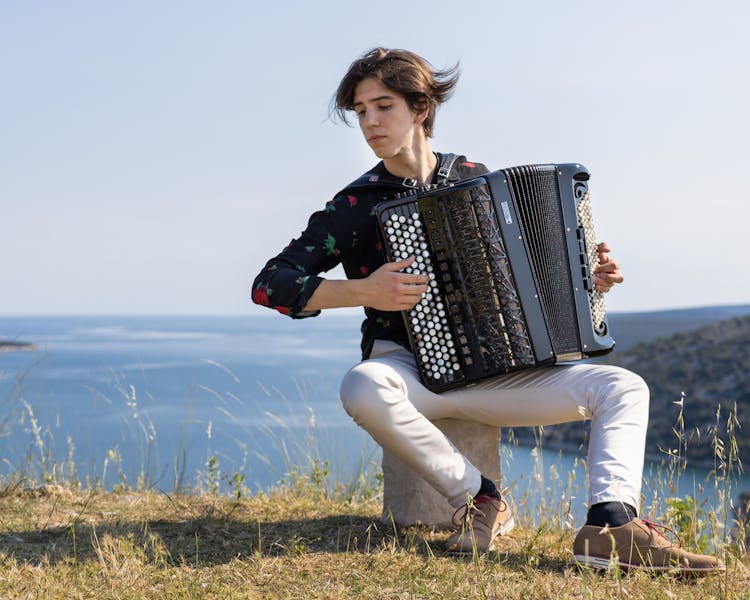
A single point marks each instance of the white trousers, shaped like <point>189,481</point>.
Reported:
<point>386,398</point>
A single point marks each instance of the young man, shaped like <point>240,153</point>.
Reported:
<point>395,95</point>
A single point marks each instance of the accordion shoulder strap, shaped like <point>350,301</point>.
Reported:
<point>372,181</point>
<point>446,166</point>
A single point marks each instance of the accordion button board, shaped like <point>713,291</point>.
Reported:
<point>509,258</point>
<point>432,339</point>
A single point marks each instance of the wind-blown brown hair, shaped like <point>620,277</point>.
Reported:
<point>400,71</point>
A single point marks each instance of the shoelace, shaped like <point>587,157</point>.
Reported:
<point>656,528</point>
<point>471,508</point>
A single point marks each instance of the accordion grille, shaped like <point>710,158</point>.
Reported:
<point>536,197</point>
<point>490,299</point>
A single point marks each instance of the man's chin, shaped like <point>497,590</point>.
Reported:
<point>382,153</point>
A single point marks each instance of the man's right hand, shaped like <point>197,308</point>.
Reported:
<point>389,289</point>
<point>384,289</point>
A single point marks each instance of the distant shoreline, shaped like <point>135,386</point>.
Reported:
<point>11,346</point>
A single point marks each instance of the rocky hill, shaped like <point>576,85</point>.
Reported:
<point>709,367</point>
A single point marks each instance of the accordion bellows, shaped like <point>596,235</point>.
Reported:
<point>509,257</point>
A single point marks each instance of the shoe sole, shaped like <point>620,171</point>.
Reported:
<point>504,529</point>
<point>607,564</point>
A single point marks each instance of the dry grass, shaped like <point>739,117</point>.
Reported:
<point>57,542</point>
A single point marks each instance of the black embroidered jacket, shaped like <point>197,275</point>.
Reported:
<point>345,231</point>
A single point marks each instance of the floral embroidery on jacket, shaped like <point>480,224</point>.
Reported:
<point>260,295</point>
<point>330,245</point>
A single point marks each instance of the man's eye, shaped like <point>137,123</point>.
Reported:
<point>385,107</point>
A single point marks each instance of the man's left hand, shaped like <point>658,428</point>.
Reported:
<point>607,273</point>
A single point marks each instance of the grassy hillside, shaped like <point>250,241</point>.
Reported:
<point>700,392</point>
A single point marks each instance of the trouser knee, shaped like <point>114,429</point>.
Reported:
<point>627,389</point>
<point>368,388</point>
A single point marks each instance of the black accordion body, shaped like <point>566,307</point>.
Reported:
<point>510,257</point>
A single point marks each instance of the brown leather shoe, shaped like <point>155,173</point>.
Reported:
<point>482,520</point>
<point>639,545</point>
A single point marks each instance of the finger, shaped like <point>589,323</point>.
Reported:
<point>603,247</point>
<point>607,280</point>
<point>399,264</point>
<point>412,290</point>
<point>412,278</point>
<point>607,275</point>
<point>608,267</point>
<point>601,286</point>
<point>408,305</point>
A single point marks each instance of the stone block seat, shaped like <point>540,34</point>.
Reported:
<point>408,499</point>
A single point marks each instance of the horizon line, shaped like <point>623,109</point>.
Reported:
<point>337,313</point>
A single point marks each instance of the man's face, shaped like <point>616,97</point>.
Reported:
<point>386,121</point>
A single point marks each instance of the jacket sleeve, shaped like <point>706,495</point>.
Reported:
<point>289,279</point>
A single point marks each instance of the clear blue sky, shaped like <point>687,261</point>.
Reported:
<point>153,155</point>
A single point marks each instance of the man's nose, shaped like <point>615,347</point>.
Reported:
<point>371,118</point>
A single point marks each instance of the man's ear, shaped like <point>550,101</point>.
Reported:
<point>420,115</point>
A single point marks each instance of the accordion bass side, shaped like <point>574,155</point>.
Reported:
<point>510,257</point>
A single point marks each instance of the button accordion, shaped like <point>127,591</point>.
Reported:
<point>509,256</point>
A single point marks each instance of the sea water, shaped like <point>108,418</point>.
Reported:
<point>180,402</point>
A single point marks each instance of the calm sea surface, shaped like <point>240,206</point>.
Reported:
<point>156,397</point>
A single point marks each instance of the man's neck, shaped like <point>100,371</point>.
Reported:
<point>419,164</point>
